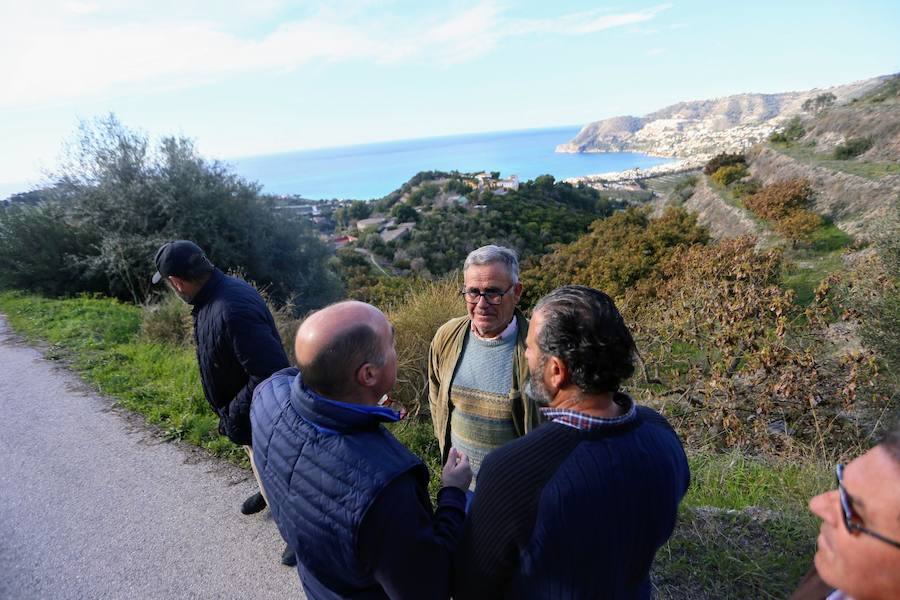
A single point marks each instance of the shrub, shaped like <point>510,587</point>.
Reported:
<point>39,250</point>
<point>727,175</point>
<point>775,201</point>
<point>427,307</point>
<point>745,188</point>
<point>723,160</point>
<point>168,321</point>
<point>792,131</point>
<point>729,363</point>
<point>625,251</point>
<point>798,225</point>
<point>852,148</point>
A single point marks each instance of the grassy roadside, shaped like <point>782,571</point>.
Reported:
<point>744,529</point>
<point>99,338</point>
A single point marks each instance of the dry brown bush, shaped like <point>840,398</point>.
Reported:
<point>731,360</point>
<point>798,225</point>
<point>775,201</point>
<point>427,307</point>
<point>167,321</point>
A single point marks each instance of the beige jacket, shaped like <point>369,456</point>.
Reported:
<point>443,356</point>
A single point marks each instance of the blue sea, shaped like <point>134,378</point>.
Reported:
<point>374,170</point>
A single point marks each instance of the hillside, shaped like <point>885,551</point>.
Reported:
<point>705,127</point>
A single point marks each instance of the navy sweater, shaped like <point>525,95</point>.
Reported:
<point>564,513</point>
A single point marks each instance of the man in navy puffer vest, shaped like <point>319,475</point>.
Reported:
<point>349,498</point>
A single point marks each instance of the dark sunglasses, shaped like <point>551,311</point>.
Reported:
<point>852,520</point>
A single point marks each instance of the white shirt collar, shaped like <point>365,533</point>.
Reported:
<point>511,329</point>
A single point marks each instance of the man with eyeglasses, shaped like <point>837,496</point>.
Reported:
<point>477,366</point>
<point>858,553</point>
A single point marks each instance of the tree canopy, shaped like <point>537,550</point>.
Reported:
<point>118,197</point>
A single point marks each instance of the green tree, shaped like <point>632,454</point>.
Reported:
<point>122,198</point>
<point>404,213</point>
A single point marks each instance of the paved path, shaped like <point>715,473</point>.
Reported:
<point>93,504</point>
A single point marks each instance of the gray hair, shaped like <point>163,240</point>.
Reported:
<point>488,255</point>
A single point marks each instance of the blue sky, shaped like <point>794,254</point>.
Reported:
<point>244,78</point>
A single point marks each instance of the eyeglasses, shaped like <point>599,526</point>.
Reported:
<point>852,521</point>
<point>490,296</point>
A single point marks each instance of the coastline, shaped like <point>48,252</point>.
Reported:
<point>680,165</point>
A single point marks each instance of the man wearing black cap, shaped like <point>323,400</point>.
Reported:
<point>238,345</point>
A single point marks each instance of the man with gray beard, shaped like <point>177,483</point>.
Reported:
<point>578,507</point>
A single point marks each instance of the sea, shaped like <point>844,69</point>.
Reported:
<point>374,170</point>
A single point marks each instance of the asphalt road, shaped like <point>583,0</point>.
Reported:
<point>94,504</point>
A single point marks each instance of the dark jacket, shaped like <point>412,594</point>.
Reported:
<point>238,346</point>
<point>570,514</point>
<point>349,499</point>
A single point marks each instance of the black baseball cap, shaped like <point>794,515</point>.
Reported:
<point>179,258</point>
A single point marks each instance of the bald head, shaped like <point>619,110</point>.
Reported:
<point>345,352</point>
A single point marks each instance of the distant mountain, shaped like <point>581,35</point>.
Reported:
<point>704,127</point>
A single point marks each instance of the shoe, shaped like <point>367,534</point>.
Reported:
<point>253,504</point>
<point>288,558</point>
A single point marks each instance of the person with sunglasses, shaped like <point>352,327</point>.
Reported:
<point>858,548</point>
<point>476,363</point>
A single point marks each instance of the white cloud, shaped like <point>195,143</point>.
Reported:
<point>82,48</point>
<point>81,8</point>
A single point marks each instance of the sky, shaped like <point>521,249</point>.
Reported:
<point>247,78</point>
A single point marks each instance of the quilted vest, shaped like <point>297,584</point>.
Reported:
<point>322,464</point>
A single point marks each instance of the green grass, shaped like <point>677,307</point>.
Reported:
<point>721,555</point>
<point>736,481</point>
<point>99,338</point>
<point>744,530</point>
<point>807,265</point>
<point>869,169</point>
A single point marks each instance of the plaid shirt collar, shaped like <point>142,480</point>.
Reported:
<point>586,422</point>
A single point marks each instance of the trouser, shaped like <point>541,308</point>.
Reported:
<point>249,451</point>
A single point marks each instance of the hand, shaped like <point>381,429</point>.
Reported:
<point>457,472</point>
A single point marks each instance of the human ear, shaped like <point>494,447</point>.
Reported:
<point>366,376</point>
<point>517,291</point>
<point>557,374</point>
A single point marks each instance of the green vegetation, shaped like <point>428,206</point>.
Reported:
<point>819,103</point>
<point>736,344</point>
<point>727,175</point>
<point>117,199</point>
<point>723,160</point>
<point>792,131</point>
<point>625,251</point>
<point>531,219</point>
<point>852,148</point>
<point>100,339</point>
<point>873,170</point>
